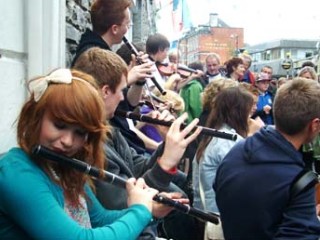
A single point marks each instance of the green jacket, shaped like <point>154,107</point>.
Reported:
<point>191,94</point>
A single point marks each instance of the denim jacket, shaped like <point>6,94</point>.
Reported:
<point>207,167</point>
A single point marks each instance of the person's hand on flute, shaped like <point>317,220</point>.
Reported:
<point>176,142</point>
<point>164,115</point>
<point>160,210</point>
<point>140,193</point>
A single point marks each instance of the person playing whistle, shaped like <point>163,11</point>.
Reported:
<point>110,72</point>
<point>111,20</point>
<point>41,199</point>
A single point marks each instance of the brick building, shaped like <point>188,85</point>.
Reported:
<point>216,37</point>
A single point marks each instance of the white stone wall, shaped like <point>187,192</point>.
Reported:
<point>12,69</point>
<point>37,36</point>
<point>32,43</point>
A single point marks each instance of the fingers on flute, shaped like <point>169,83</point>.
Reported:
<point>133,58</point>
<point>154,114</point>
<point>177,123</point>
<point>165,115</point>
<point>176,196</point>
<point>141,183</point>
<point>189,128</point>
<point>146,67</point>
<point>134,184</point>
<point>130,184</point>
<point>193,136</point>
<point>144,57</point>
<point>152,191</point>
<point>191,125</point>
<point>171,195</point>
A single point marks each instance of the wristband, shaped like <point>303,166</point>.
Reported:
<point>140,83</point>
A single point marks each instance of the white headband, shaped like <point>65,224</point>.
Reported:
<point>38,86</point>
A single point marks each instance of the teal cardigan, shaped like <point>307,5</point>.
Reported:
<point>31,207</point>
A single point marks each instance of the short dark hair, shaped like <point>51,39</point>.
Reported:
<point>157,42</point>
<point>233,62</point>
<point>308,64</point>
<point>105,13</point>
<point>125,53</point>
<point>196,66</point>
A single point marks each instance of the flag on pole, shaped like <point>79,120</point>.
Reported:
<point>177,20</point>
<point>181,20</point>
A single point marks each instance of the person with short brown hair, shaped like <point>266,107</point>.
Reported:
<point>235,68</point>
<point>160,169</point>
<point>254,182</point>
<point>110,22</point>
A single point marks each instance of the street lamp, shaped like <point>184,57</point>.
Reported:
<point>287,64</point>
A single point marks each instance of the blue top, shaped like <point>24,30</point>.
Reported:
<point>32,207</point>
<point>265,99</point>
<point>204,172</point>
<point>253,186</point>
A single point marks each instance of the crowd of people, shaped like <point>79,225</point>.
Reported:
<point>245,181</point>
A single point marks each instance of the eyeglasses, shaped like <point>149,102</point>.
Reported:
<point>128,25</point>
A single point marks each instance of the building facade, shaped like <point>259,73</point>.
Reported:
<point>38,36</point>
<point>216,37</point>
<point>276,53</point>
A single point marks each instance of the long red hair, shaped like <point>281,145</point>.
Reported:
<point>75,103</point>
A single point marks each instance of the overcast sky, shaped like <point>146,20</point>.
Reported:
<point>263,20</point>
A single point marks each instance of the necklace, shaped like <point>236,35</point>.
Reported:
<point>54,174</point>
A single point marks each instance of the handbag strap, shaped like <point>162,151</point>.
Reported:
<point>202,197</point>
<point>303,182</point>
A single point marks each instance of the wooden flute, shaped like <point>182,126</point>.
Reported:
<point>135,52</point>
<point>111,178</point>
<point>144,118</point>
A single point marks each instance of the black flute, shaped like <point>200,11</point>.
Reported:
<point>135,52</point>
<point>147,119</point>
<point>111,178</point>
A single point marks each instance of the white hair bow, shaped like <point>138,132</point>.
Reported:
<point>38,86</point>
